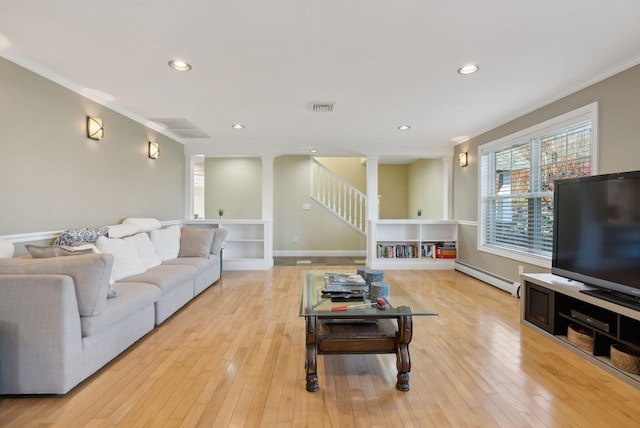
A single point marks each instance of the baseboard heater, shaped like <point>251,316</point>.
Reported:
<point>490,278</point>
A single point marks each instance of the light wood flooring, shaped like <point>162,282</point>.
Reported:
<point>234,358</point>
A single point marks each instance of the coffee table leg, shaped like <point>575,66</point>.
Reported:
<point>403,362</point>
<point>310,363</point>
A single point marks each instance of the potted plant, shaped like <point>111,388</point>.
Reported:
<point>221,213</point>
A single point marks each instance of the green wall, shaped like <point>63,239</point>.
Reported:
<point>353,170</point>
<point>53,177</point>
<point>315,229</point>
<point>393,188</point>
<point>234,185</point>
<point>426,189</point>
<point>405,188</point>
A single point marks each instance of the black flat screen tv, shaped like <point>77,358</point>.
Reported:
<point>596,232</point>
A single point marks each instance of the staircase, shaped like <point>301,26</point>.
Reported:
<point>338,196</point>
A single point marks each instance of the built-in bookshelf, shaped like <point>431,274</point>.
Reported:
<point>248,245</point>
<point>412,244</point>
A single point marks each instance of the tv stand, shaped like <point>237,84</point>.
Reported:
<point>622,299</point>
<point>551,303</point>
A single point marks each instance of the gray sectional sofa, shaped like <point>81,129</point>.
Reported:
<point>62,318</point>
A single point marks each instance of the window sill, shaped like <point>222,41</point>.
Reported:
<point>518,256</point>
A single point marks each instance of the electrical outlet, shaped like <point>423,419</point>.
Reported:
<point>295,239</point>
<point>520,270</point>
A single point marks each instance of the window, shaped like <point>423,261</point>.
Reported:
<point>516,183</point>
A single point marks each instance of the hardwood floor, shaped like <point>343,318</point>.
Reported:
<point>235,357</point>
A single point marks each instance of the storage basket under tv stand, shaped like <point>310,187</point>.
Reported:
<point>547,304</point>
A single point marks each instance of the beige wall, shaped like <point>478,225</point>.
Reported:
<point>619,150</point>
<point>405,188</point>
<point>315,229</point>
<point>234,185</point>
<point>393,188</point>
<point>353,170</point>
<point>426,189</point>
<point>53,177</point>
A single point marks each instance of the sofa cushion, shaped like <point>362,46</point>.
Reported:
<point>131,298</point>
<point>166,277</point>
<point>56,251</point>
<point>146,249</point>
<point>167,242</point>
<point>200,263</point>
<point>127,260</point>
<point>195,241</point>
<point>76,246</point>
<point>6,249</point>
<point>208,270</point>
<point>90,273</point>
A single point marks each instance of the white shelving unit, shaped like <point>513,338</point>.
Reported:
<point>248,245</point>
<point>405,244</point>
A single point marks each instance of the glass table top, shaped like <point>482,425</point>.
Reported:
<point>314,304</point>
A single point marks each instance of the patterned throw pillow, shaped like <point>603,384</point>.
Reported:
<point>85,234</point>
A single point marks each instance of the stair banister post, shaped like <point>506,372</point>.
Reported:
<point>372,188</point>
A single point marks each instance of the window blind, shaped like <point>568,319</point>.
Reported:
<point>517,187</point>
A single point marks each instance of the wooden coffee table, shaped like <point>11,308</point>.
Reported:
<point>358,331</point>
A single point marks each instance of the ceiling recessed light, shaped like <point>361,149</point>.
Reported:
<point>404,127</point>
<point>237,126</point>
<point>180,65</point>
<point>468,69</point>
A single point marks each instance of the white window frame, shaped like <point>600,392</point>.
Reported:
<point>586,113</point>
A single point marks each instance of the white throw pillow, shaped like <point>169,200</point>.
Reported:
<point>146,250</point>
<point>126,259</point>
<point>122,230</point>
<point>167,242</point>
<point>143,224</point>
<point>6,249</point>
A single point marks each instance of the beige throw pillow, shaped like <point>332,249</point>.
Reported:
<point>56,251</point>
<point>196,242</point>
<point>90,273</point>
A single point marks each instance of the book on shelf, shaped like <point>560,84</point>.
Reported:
<point>398,251</point>
<point>446,250</point>
<point>428,251</point>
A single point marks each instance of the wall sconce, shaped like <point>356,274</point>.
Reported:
<point>463,160</point>
<point>95,128</point>
<point>154,150</point>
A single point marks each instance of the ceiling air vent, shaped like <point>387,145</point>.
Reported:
<point>181,127</point>
<point>322,107</point>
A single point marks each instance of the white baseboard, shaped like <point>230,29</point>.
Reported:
<point>490,278</point>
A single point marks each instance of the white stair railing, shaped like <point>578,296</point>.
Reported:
<point>338,196</point>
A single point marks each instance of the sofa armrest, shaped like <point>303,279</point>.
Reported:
<point>218,241</point>
<point>40,336</point>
